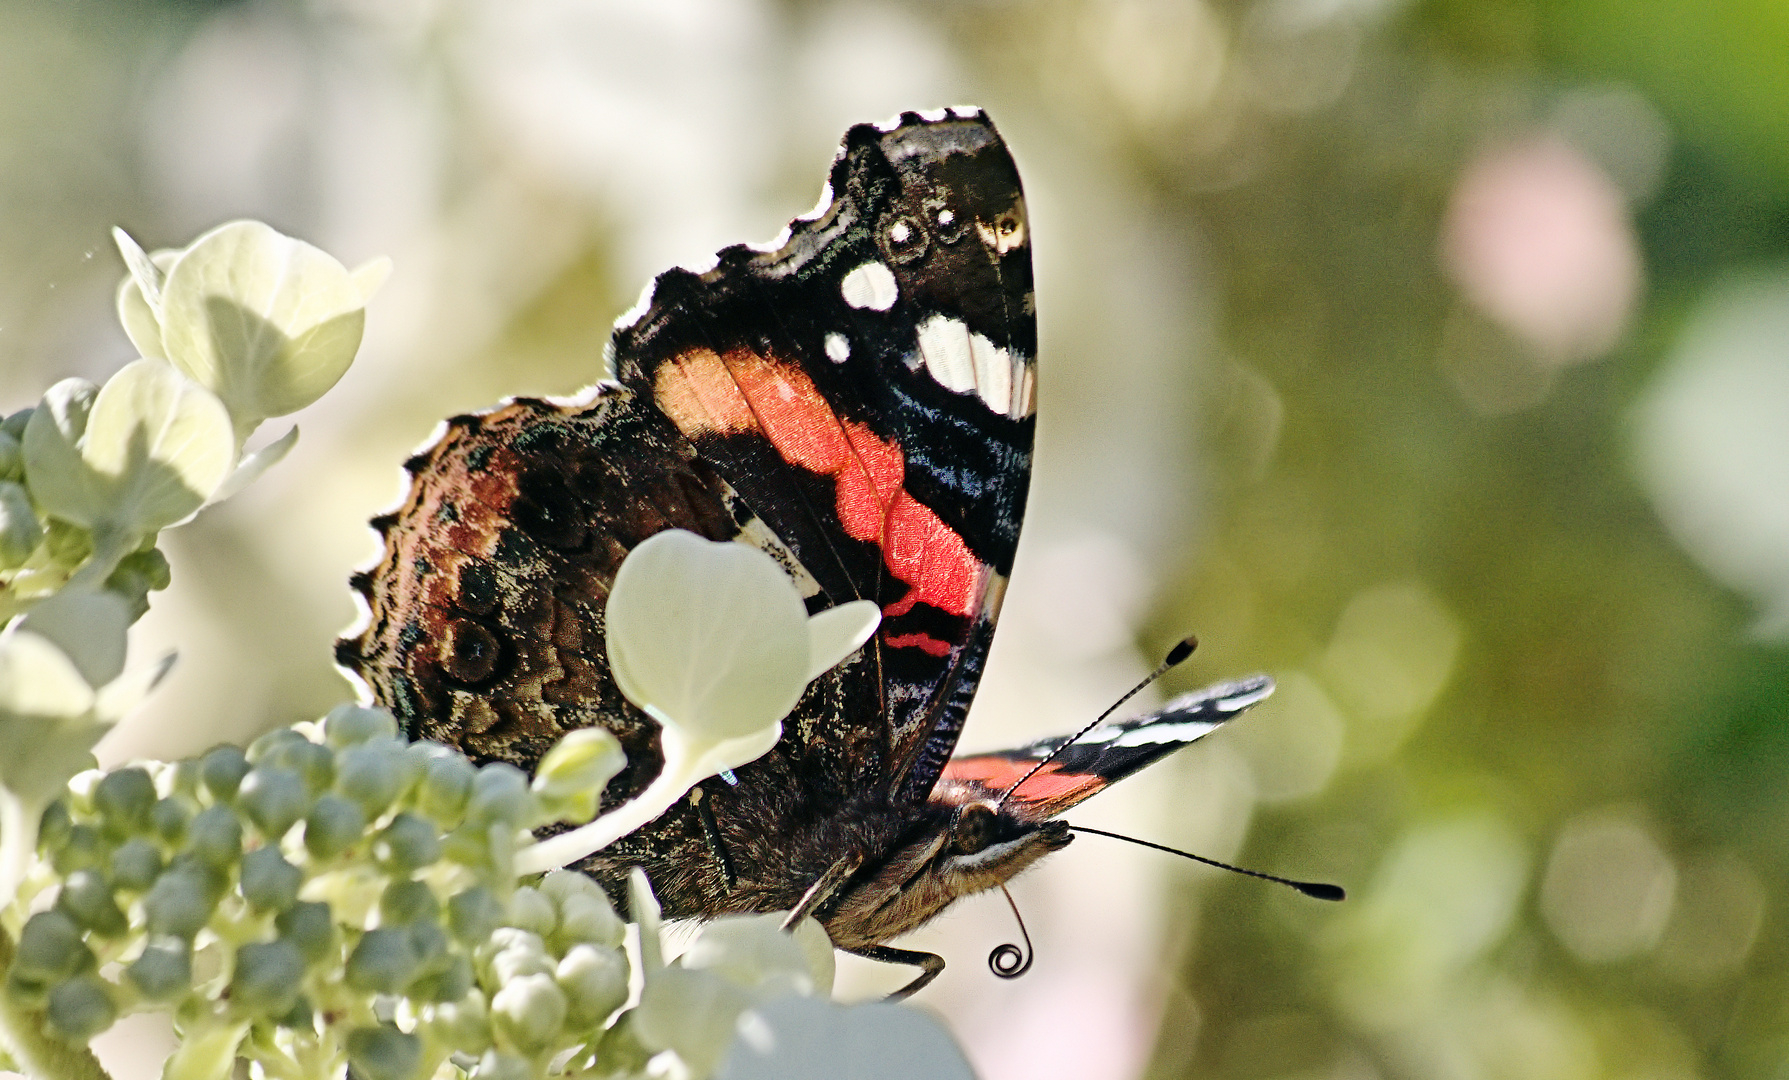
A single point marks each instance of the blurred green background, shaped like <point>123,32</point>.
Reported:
<point>1430,355</point>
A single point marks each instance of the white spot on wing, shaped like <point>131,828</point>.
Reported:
<point>900,232</point>
<point>993,372</point>
<point>871,286</point>
<point>1157,734</point>
<point>838,350</point>
<point>932,116</point>
<point>944,345</point>
<point>961,361</point>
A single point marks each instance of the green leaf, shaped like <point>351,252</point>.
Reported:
<point>266,322</point>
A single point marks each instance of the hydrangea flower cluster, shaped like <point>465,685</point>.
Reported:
<point>335,900</point>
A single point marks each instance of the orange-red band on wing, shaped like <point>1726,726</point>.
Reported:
<point>1048,785</point>
<point>704,392</point>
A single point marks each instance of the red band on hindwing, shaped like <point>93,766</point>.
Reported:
<point>704,392</point>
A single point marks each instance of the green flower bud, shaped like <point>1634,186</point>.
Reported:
<point>586,918</point>
<point>314,764</point>
<point>136,576</point>
<point>384,1053</point>
<point>351,725</point>
<point>66,543</point>
<point>269,882</point>
<point>407,902</point>
<point>273,799</point>
<point>81,1008</point>
<point>20,531</point>
<point>54,827</point>
<point>171,817</point>
<point>309,927</point>
<point>473,914</point>
<point>446,786</point>
<point>408,844</point>
<point>180,903</point>
<point>531,911</point>
<point>499,794</point>
<point>83,848</point>
<point>430,942</point>
<point>595,984</point>
<point>489,849</point>
<point>529,1011</point>
<point>333,825</point>
<point>370,774</point>
<point>87,897</point>
<point>50,948</point>
<point>571,776</point>
<point>14,425</point>
<point>450,980</point>
<point>150,565</point>
<point>383,962</point>
<point>164,970</point>
<point>125,799</point>
<point>222,770</point>
<point>462,1023</point>
<point>12,457</point>
<point>136,865</point>
<point>215,837</point>
<point>267,746</point>
<point>268,979</point>
<point>512,953</point>
<point>302,1016</point>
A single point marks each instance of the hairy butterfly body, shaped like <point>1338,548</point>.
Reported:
<point>856,400</point>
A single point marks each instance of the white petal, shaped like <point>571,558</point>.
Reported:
<point>39,680</point>
<point>255,464</point>
<point>159,445</point>
<point>88,626</point>
<point>713,634</point>
<point>838,632</point>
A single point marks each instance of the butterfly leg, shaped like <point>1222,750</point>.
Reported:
<point>712,832</point>
<point>823,888</point>
<point>930,964</point>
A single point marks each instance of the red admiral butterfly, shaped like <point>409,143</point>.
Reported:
<point>856,400</point>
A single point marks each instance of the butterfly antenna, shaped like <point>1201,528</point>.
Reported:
<point>1316,889</point>
<point>1009,961</point>
<point>1176,655</point>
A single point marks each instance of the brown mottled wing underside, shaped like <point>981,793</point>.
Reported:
<point>485,632</point>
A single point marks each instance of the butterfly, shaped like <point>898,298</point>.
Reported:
<point>856,399</point>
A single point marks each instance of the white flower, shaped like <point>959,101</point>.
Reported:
<point>266,322</point>
<point>710,639</point>
<point>132,457</point>
<point>799,1038</point>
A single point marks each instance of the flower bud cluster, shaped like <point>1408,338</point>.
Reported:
<point>337,897</point>
<point>334,893</point>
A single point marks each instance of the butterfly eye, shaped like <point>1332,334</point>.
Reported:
<point>973,829</point>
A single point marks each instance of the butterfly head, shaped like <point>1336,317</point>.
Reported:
<point>959,850</point>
